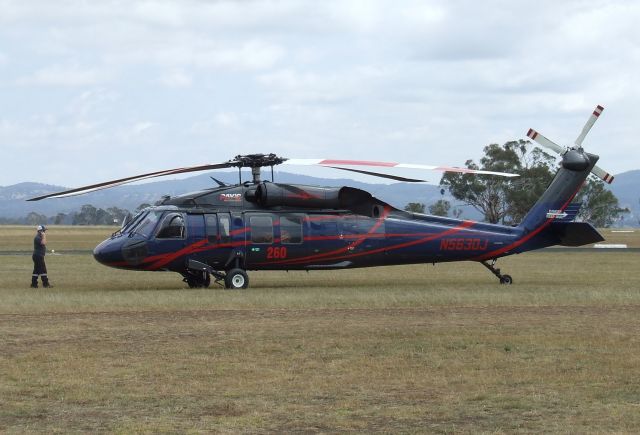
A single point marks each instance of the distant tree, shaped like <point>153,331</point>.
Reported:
<point>103,218</point>
<point>502,199</point>
<point>536,172</point>
<point>440,208</point>
<point>600,207</point>
<point>90,215</point>
<point>117,214</point>
<point>414,207</point>
<point>59,219</point>
<point>34,218</point>
<point>86,216</point>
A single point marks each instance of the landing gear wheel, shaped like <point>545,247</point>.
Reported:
<point>236,279</point>
<point>506,279</point>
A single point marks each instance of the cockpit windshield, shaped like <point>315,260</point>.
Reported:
<point>147,223</point>
<point>133,222</point>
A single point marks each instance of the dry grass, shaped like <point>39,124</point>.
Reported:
<point>402,349</point>
<point>60,237</point>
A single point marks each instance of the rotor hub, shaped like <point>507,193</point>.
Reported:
<point>255,162</point>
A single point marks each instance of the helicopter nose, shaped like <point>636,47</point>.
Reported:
<point>108,253</point>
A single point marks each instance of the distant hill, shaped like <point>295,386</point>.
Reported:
<point>626,187</point>
<point>13,204</point>
<point>13,198</point>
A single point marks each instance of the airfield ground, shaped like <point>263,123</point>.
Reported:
<point>422,348</point>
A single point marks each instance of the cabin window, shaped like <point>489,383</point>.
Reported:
<point>172,227</point>
<point>321,226</point>
<point>290,229</point>
<point>225,228</point>
<point>212,227</point>
<point>261,229</point>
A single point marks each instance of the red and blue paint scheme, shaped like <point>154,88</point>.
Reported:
<point>225,231</point>
<point>271,226</point>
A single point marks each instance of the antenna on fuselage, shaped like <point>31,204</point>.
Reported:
<point>220,183</point>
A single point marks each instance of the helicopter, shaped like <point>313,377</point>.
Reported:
<point>220,233</point>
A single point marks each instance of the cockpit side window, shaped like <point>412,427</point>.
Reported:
<point>172,227</point>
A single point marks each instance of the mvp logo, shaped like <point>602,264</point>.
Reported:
<point>230,197</point>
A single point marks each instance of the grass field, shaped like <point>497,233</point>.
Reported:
<point>411,349</point>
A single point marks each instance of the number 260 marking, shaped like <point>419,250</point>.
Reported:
<point>275,252</point>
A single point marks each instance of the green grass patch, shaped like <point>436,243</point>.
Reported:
<point>409,349</point>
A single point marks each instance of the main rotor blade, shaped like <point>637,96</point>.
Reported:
<point>534,135</point>
<point>339,163</point>
<point>381,175</point>
<point>592,120</point>
<point>113,183</point>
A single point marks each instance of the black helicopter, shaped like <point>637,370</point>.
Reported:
<point>224,231</point>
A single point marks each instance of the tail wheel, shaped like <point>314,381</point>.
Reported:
<point>506,279</point>
<point>236,279</point>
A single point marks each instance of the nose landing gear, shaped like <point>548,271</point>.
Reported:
<point>504,279</point>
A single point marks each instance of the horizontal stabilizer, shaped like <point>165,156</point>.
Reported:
<point>576,233</point>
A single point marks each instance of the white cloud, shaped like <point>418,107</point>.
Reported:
<point>226,119</point>
<point>65,75</point>
<point>250,55</point>
<point>431,80</point>
<point>141,127</point>
<point>176,79</point>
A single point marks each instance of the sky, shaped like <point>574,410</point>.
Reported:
<point>93,91</point>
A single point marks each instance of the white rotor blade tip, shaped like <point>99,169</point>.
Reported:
<point>587,127</point>
<point>602,174</point>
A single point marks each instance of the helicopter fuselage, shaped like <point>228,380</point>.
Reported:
<point>252,228</point>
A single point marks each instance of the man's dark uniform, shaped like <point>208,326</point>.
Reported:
<point>39,267</point>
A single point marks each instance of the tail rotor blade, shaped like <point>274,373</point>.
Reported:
<point>540,139</point>
<point>592,120</point>
<point>537,137</point>
<point>602,174</point>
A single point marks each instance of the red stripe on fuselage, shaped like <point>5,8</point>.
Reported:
<point>361,239</point>
<point>338,254</point>
<point>169,257</point>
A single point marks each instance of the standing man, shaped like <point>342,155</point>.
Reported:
<point>39,251</point>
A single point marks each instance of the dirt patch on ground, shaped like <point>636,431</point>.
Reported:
<point>330,370</point>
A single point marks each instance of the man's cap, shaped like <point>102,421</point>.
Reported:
<point>41,228</point>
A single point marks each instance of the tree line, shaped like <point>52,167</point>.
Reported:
<point>507,201</point>
<point>87,215</point>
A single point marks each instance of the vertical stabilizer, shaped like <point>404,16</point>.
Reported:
<point>575,168</point>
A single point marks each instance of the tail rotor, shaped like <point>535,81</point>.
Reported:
<point>541,140</point>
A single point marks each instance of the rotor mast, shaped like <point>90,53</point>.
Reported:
<point>256,162</point>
